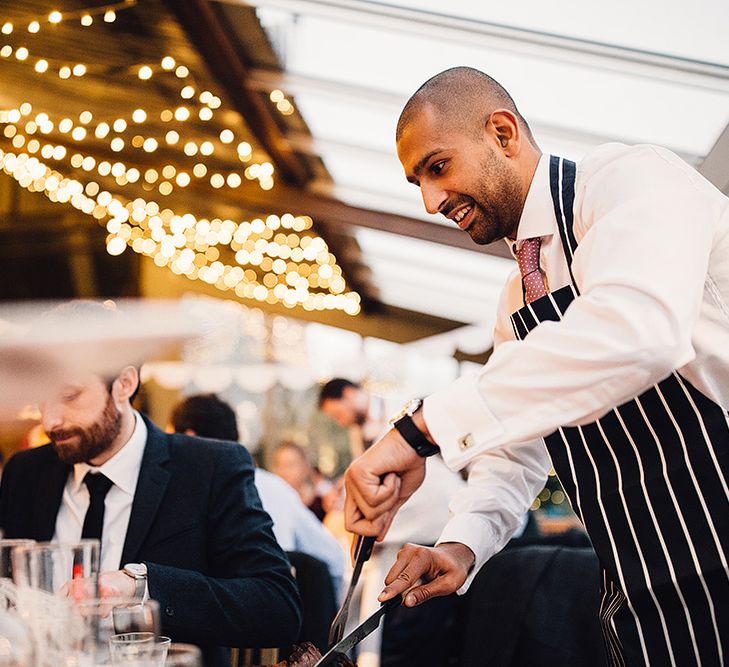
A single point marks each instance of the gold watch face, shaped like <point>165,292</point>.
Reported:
<point>409,408</point>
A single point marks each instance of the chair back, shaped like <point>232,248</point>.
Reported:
<point>317,597</point>
<point>537,606</point>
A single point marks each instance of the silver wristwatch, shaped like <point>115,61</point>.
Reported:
<point>138,572</point>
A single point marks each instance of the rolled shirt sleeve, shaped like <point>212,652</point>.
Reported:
<point>502,484</point>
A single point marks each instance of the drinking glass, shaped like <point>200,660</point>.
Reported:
<point>6,551</point>
<point>69,569</point>
<point>132,648</point>
<point>8,592</point>
<point>138,649</point>
<point>50,580</point>
<point>92,623</point>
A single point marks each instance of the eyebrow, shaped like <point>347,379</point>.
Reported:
<point>421,163</point>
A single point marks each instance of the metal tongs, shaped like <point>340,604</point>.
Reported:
<point>359,633</point>
<point>362,552</point>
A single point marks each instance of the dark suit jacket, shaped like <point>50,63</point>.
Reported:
<point>214,565</point>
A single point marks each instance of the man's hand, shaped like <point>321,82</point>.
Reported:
<point>116,584</point>
<point>444,568</point>
<point>379,482</point>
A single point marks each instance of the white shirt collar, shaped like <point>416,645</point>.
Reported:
<point>536,219</point>
<point>122,468</point>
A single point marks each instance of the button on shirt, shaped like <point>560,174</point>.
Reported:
<point>652,266</point>
<point>123,470</point>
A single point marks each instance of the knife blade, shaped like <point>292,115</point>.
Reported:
<point>363,551</point>
<point>365,628</point>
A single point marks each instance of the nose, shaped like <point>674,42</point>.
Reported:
<point>51,416</point>
<point>433,197</point>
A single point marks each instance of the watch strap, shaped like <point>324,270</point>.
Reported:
<point>415,437</point>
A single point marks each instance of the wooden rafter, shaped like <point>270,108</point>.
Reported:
<point>211,39</point>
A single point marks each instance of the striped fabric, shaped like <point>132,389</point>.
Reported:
<point>649,482</point>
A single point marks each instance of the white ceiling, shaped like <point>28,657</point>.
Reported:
<point>351,65</point>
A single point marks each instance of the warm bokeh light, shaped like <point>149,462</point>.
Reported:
<point>272,259</point>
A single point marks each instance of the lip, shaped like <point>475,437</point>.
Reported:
<point>64,440</point>
<point>466,221</point>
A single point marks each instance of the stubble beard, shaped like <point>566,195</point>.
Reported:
<point>93,440</point>
<point>498,209</point>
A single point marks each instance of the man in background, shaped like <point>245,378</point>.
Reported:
<point>352,407</point>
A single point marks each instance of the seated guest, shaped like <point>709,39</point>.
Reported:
<point>294,526</point>
<point>291,463</point>
<point>179,517</point>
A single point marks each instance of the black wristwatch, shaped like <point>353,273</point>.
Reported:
<point>405,425</point>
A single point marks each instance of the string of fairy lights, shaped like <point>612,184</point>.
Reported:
<point>114,129</point>
<point>276,260</point>
<point>19,128</point>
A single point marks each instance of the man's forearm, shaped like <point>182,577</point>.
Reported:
<point>248,612</point>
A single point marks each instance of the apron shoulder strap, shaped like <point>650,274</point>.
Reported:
<point>562,186</point>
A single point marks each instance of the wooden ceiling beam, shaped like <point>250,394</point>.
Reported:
<point>210,37</point>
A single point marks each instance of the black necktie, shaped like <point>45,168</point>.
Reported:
<point>98,486</point>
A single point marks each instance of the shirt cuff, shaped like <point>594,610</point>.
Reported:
<point>460,422</point>
<point>477,534</point>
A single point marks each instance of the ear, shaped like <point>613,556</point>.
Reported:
<point>125,384</point>
<point>503,126</point>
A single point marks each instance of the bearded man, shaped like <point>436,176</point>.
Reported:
<point>178,517</point>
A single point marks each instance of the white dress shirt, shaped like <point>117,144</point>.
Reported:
<point>652,266</point>
<point>296,527</point>
<point>123,470</point>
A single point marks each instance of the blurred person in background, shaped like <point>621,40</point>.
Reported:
<point>291,463</point>
<point>178,517</point>
<point>296,528</point>
<point>351,406</point>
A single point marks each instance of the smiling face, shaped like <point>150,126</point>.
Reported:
<point>470,177</point>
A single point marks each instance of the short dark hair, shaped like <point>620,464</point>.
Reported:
<point>464,95</point>
<point>207,415</point>
<point>334,389</point>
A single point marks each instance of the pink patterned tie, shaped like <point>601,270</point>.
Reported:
<point>527,257</point>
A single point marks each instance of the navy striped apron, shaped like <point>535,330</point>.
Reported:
<point>649,482</point>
